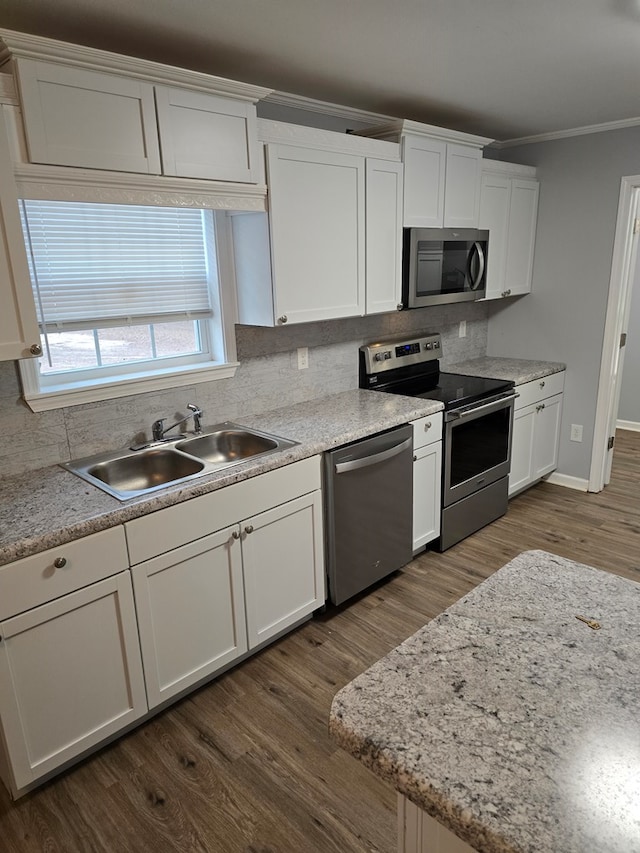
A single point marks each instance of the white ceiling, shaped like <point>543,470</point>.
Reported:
<point>500,68</point>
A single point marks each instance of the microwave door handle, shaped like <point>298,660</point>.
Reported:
<point>478,252</point>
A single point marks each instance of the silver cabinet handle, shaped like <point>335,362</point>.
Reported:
<point>236,534</point>
<point>35,349</point>
<point>248,529</point>
<point>283,319</point>
<point>542,384</point>
<point>60,562</point>
<point>540,407</point>
<point>343,467</point>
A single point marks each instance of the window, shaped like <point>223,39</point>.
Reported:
<point>124,294</point>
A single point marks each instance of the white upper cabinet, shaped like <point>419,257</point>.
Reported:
<point>442,172</point>
<point>509,209</point>
<point>332,245</point>
<point>204,136</point>
<point>90,109</point>
<point>317,213</point>
<point>424,165</point>
<point>19,333</point>
<point>77,117</point>
<point>383,235</point>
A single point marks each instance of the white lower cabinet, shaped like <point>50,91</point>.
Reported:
<point>210,597</point>
<point>427,480</point>
<point>191,613</point>
<point>70,669</point>
<point>536,431</point>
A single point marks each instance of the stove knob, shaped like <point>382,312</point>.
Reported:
<point>436,344</point>
<point>379,356</point>
<point>428,346</point>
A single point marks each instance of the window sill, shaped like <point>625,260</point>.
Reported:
<point>113,387</point>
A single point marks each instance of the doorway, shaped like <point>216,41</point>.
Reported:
<point>623,268</point>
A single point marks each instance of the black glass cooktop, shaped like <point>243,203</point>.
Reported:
<point>451,389</point>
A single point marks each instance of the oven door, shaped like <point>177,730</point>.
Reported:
<point>477,447</point>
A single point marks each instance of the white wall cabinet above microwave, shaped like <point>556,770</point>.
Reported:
<point>509,210</point>
<point>332,245</point>
<point>92,119</point>
<point>441,174</point>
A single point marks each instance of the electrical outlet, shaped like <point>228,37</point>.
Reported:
<point>303,358</point>
<point>576,432</point>
<point>462,330</point>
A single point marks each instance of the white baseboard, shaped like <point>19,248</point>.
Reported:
<point>578,483</point>
<point>634,426</point>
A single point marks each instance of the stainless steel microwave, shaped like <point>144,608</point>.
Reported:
<point>442,265</point>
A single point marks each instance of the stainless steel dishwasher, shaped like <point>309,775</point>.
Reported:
<point>369,510</point>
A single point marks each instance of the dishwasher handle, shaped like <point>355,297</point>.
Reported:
<point>366,461</point>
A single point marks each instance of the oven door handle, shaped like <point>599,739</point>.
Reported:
<point>450,416</point>
<point>366,461</point>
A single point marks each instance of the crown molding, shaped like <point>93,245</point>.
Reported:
<point>311,105</point>
<point>510,170</point>
<point>281,132</point>
<point>61,183</point>
<point>14,44</point>
<point>400,127</point>
<point>566,134</point>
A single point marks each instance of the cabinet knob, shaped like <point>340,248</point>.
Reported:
<point>542,384</point>
<point>540,407</point>
<point>283,319</point>
<point>236,534</point>
<point>248,529</point>
<point>415,458</point>
<point>427,425</point>
<point>60,562</point>
<point>35,349</point>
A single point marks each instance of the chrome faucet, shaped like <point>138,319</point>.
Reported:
<point>158,431</point>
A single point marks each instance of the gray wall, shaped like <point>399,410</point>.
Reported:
<point>268,377</point>
<point>629,408</point>
<point>563,318</point>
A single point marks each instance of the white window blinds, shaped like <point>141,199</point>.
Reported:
<point>99,265</point>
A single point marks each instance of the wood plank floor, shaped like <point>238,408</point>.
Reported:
<point>245,764</point>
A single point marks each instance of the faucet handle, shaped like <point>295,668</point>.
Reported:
<point>157,429</point>
<point>197,415</point>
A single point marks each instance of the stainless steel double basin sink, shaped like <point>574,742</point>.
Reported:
<point>130,473</point>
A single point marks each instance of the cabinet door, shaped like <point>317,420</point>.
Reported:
<point>547,436</point>
<point>284,578</point>
<point>205,136</point>
<point>522,443</point>
<point>70,676</point>
<point>18,323</point>
<point>462,186</point>
<point>427,474</point>
<point>424,180</point>
<point>190,612</point>
<point>384,235</point>
<point>495,198</point>
<point>523,214</point>
<point>317,221</point>
<point>75,117</point>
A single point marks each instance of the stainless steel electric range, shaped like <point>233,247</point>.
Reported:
<point>478,423</point>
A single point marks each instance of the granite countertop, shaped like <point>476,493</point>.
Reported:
<point>509,720</point>
<point>518,370</point>
<point>51,506</point>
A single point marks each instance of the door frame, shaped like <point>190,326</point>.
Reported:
<point>617,318</point>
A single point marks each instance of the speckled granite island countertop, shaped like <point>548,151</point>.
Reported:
<point>508,719</point>
<point>518,370</point>
<point>49,507</point>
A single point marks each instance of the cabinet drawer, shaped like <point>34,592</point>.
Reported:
<point>36,580</point>
<point>170,528</point>
<point>427,430</point>
<point>539,389</point>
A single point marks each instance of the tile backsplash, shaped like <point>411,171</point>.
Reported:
<point>268,378</point>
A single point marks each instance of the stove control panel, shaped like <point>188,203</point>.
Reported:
<point>393,354</point>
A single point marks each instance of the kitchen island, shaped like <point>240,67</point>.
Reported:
<point>512,717</point>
